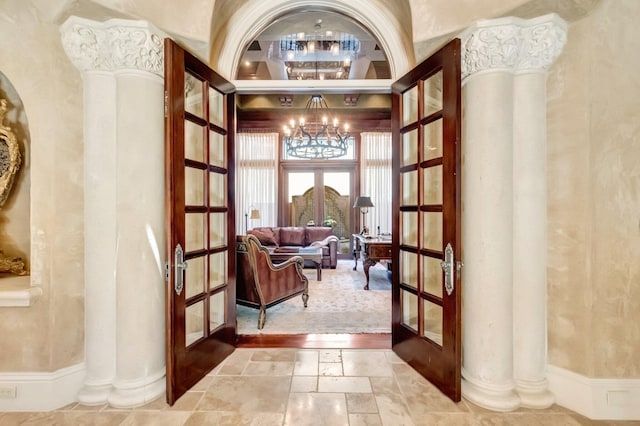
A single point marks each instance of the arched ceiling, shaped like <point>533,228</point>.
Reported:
<point>203,25</point>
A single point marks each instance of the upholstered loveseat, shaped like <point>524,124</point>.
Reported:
<point>301,236</point>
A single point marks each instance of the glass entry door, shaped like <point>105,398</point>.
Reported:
<point>301,198</point>
<point>320,198</point>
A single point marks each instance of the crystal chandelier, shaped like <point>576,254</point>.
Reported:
<point>316,135</point>
<point>319,55</point>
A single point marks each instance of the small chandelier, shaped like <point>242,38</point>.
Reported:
<point>316,135</point>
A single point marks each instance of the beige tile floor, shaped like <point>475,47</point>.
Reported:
<point>305,387</point>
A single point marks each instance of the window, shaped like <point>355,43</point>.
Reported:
<point>256,179</point>
<point>376,178</point>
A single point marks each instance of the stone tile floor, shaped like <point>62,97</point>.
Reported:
<point>306,387</point>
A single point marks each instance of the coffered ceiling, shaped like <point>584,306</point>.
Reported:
<point>314,45</point>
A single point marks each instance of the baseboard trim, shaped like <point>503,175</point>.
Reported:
<point>40,391</point>
<point>597,399</point>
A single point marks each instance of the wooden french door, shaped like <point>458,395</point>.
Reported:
<point>200,224</point>
<point>426,121</point>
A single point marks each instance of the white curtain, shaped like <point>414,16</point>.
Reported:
<point>375,180</point>
<point>256,179</point>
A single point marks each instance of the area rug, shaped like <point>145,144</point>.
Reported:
<point>337,304</point>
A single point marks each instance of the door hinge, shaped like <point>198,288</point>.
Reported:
<point>166,104</point>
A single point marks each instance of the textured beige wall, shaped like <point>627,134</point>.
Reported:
<point>49,335</point>
<point>569,200</point>
<point>435,18</point>
<point>594,195</point>
<point>615,179</point>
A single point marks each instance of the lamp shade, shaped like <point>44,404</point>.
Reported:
<point>255,214</point>
<point>363,202</point>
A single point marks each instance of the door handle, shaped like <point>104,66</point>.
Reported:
<point>447,266</point>
<point>179,267</point>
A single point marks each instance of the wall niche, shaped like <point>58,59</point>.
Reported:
<point>15,213</point>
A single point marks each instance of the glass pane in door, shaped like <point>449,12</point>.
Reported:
<point>432,318</point>
<point>193,141</point>
<point>432,134</point>
<point>410,106</point>
<point>216,107</point>
<point>216,310</point>
<point>194,323</point>
<point>194,277</point>
<point>193,186</point>
<point>410,148</point>
<point>408,269</point>
<point>193,95</point>
<point>337,208</point>
<point>433,94</point>
<point>301,198</point>
<point>432,276</point>
<point>409,309</point>
<point>217,150</point>
<point>409,227</point>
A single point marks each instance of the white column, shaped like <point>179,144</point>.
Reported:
<point>81,45</point>
<point>139,211</point>
<point>487,189</point>
<point>541,44</point>
<point>504,328</point>
<point>100,236</point>
<point>122,67</point>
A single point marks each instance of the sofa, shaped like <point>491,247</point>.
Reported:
<point>301,236</point>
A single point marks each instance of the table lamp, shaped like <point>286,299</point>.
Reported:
<point>254,214</point>
<point>363,202</point>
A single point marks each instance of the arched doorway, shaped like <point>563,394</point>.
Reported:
<point>254,16</point>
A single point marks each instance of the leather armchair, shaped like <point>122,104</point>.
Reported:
<point>260,284</point>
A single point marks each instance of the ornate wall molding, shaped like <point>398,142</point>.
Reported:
<point>113,45</point>
<point>512,44</point>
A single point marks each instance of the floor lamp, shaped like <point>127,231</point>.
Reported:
<point>254,214</point>
<point>363,203</point>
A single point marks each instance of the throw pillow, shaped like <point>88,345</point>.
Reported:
<point>263,236</point>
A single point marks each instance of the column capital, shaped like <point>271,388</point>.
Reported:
<point>512,44</point>
<point>113,45</point>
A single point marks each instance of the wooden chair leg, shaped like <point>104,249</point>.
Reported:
<point>262,317</point>
<point>305,297</point>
